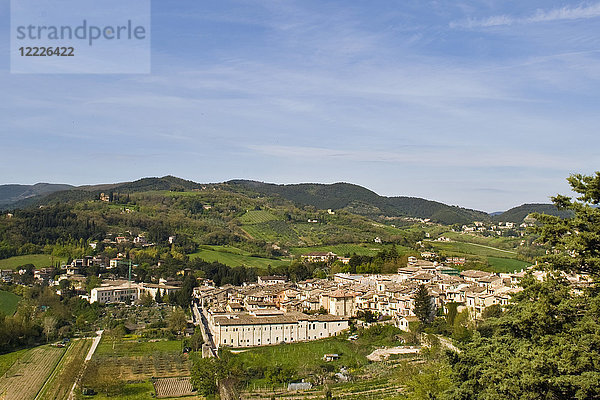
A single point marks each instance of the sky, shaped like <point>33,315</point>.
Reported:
<point>483,104</point>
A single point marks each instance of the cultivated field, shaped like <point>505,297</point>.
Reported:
<point>380,389</point>
<point>60,383</point>
<point>8,302</point>
<point>39,260</point>
<point>257,217</point>
<point>173,387</point>
<point>8,359</point>
<point>131,361</point>
<point>27,375</point>
<point>274,231</point>
<point>137,391</point>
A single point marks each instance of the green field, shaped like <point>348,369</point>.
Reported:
<point>235,257</point>
<point>39,260</point>
<point>500,242</point>
<point>273,231</point>
<point>129,346</point>
<point>341,250</point>
<point>307,357</point>
<point>499,260</point>
<point>8,302</point>
<point>507,264</point>
<point>131,391</point>
<point>459,248</point>
<point>257,217</point>
<point>304,357</point>
<point>138,391</point>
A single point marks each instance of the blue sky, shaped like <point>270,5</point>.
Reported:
<point>482,104</point>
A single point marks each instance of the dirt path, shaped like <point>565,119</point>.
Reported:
<point>95,344</point>
<point>88,357</point>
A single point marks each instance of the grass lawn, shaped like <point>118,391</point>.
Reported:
<point>132,347</point>
<point>8,302</point>
<point>234,258</point>
<point>39,260</point>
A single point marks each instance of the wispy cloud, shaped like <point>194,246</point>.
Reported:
<point>556,14</point>
<point>435,156</point>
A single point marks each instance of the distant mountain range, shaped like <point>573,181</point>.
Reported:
<point>353,198</point>
<point>11,194</point>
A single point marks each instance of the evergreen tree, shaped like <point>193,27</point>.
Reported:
<point>546,345</point>
<point>423,305</point>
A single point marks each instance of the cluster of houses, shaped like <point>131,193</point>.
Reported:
<point>111,290</point>
<point>496,228</point>
<point>275,310</point>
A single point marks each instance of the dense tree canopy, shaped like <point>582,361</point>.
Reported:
<point>547,344</point>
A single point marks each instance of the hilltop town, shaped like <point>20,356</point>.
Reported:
<point>201,290</point>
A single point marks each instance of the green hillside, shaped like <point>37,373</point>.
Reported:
<point>38,260</point>
<point>234,257</point>
<point>10,194</point>
<point>518,214</point>
<point>8,302</point>
<point>362,201</point>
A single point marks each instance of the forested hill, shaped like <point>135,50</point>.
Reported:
<point>518,214</point>
<point>362,201</point>
<point>14,193</point>
<point>73,194</point>
<point>350,197</point>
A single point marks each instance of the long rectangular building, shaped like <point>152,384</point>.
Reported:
<point>128,291</point>
<point>267,327</point>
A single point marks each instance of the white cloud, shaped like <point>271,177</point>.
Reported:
<point>557,14</point>
<point>432,156</point>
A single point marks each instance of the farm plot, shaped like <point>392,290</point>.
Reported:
<point>173,387</point>
<point>66,372</point>
<point>28,374</point>
<point>273,231</point>
<point>143,367</point>
<point>8,359</point>
<point>257,217</point>
<point>375,389</point>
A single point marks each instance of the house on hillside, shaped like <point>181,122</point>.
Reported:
<point>271,280</point>
<point>405,322</point>
<point>319,256</point>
